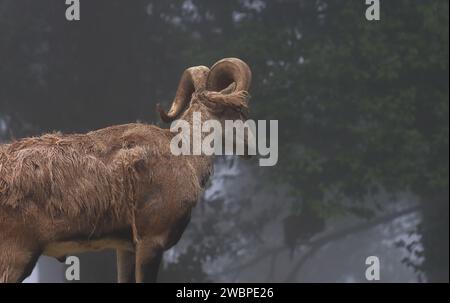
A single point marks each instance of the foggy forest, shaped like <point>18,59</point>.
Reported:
<point>362,107</point>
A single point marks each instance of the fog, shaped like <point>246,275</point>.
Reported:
<point>363,127</point>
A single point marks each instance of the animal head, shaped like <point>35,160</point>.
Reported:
<point>223,90</point>
<point>220,92</point>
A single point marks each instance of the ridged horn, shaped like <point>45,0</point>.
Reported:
<point>229,70</point>
<point>192,80</point>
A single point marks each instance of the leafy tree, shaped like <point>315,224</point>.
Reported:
<point>363,106</point>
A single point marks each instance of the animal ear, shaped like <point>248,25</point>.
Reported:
<point>228,90</point>
<point>237,100</point>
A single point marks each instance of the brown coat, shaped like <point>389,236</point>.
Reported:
<point>119,187</point>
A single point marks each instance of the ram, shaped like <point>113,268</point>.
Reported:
<point>115,188</point>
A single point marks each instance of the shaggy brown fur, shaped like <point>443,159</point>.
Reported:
<point>118,187</point>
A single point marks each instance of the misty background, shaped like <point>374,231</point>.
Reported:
<point>363,109</point>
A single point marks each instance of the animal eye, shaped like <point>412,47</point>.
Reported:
<point>130,145</point>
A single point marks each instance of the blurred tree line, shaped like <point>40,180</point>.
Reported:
<point>362,106</point>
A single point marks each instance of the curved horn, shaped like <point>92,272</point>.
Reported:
<point>226,71</point>
<point>192,80</point>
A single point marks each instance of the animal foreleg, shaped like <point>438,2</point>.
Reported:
<point>16,263</point>
<point>126,263</point>
<point>148,259</point>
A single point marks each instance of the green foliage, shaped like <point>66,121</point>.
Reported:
<point>362,105</point>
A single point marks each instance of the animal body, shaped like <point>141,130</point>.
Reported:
<point>115,188</point>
